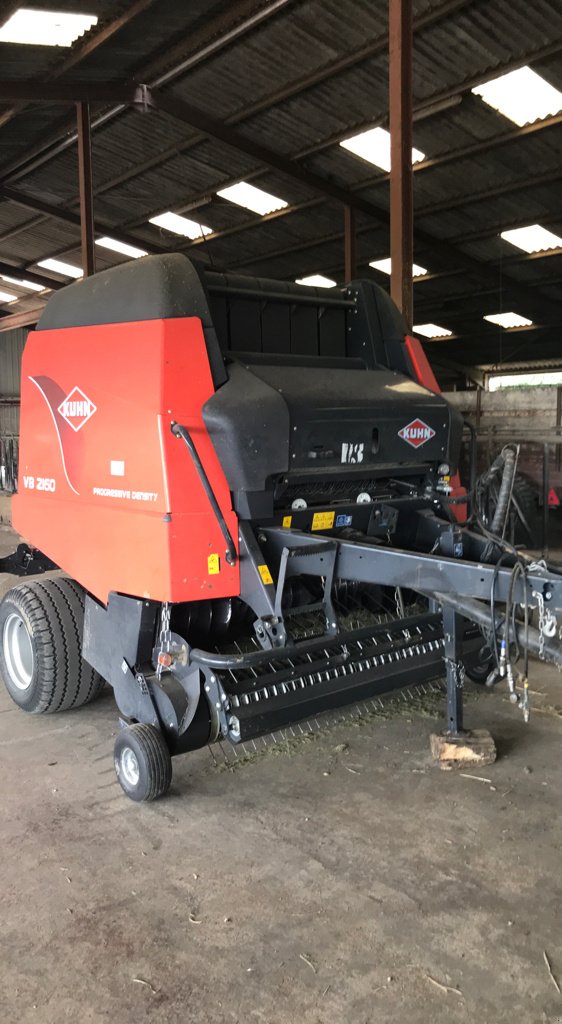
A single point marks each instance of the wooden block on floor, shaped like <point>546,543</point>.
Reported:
<point>467,750</point>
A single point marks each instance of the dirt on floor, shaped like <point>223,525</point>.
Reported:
<point>338,878</point>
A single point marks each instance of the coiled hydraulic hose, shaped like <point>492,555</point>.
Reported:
<point>508,457</point>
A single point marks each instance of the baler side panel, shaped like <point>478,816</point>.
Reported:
<point>105,490</point>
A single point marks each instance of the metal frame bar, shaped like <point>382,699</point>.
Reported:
<point>87,229</point>
<point>31,275</point>
<point>374,563</point>
<point>349,245</point>
<point>327,71</point>
<point>83,49</point>
<point>68,92</point>
<point>26,318</point>
<point>230,25</point>
<point>401,180</point>
<point>445,206</point>
<point>66,216</point>
<point>524,295</point>
<point>178,108</point>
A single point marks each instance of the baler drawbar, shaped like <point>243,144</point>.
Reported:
<point>252,491</point>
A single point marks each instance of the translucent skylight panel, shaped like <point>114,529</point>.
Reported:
<point>508,320</point>
<point>374,147</point>
<point>252,198</point>
<point>45,28</point>
<point>122,247</point>
<point>533,238</point>
<point>432,331</point>
<point>316,281</point>
<point>32,285</point>
<point>385,267</point>
<point>180,225</point>
<point>522,96</point>
<point>60,267</point>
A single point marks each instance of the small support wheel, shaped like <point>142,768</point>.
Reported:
<point>143,764</point>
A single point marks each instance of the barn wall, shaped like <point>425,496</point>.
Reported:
<point>11,348</point>
<point>529,416</point>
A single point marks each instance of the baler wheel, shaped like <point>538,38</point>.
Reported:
<point>41,659</point>
<point>143,764</point>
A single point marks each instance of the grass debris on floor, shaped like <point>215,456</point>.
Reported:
<point>427,701</point>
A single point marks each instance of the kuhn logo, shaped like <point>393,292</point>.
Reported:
<point>76,409</point>
<point>416,433</point>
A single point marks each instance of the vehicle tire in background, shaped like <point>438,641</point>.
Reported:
<point>527,524</point>
<point>524,521</point>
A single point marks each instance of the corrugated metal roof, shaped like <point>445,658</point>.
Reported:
<point>240,82</point>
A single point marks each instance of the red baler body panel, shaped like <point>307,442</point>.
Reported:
<point>105,489</point>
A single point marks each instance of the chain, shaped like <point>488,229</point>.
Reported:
<point>542,622</point>
<point>457,667</point>
<point>165,636</point>
<point>399,602</point>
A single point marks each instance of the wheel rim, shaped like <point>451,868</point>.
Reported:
<point>18,651</point>
<point>130,767</point>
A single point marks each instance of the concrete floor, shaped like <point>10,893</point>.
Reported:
<point>342,881</point>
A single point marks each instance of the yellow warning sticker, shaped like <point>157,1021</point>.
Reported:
<point>323,520</point>
<point>213,565</point>
<point>287,520</point>
<point>265,574</point>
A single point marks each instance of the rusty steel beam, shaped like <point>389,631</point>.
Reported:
<point>19,229</point>
<point>355,58</point>
<point>66,216</point>
<point>445,205</point>
<point>87,228</point>
<point>232,24</point>
<point>35,91</point>
<point>349,60</point>
<point>349,247</point>
<point>427,106</point>
<point>88,45</point>
<point>213,127</point>
<point>401,179</point>
<point>378,179</point>
<point>30,275</point>
<point>420,110</point>
<point>24,319</point>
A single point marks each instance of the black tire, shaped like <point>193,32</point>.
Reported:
<point>143,764</point>
<point>526,502</point>
<point>44,620</point>
<point>524,522</point>
<point>479,663</point>
<point>478,670</point>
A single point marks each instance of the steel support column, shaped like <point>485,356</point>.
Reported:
<point>86,188</point>
<point>401,180</point>
<point>349,244</point>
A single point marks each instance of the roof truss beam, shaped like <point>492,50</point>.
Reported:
<point>79,53</point>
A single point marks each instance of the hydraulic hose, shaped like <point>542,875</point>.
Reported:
<point>504,496</point>
<point>527,636</point>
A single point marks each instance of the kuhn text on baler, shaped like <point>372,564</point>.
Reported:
<point>248,486</point>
